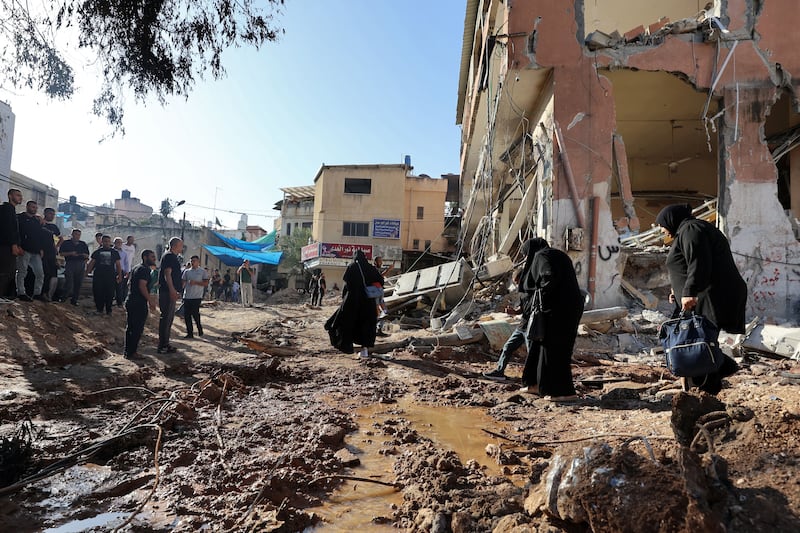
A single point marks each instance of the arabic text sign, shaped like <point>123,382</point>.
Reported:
<point>344,251</point>
<point>309,252</point>
<point>383,228</point>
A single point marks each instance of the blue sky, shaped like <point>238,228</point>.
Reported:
<point>350,82</point>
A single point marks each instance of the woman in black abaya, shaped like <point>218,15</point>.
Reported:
<point>547,368</point>
<point>705,279</point>
<point>356,320</point>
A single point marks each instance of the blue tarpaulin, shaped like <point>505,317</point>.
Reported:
<point>244,245</point>
<point>233,257</point>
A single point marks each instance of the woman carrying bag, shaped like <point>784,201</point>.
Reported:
<point>704,280</point>
<point>355,321</point>
<point>556,307</point>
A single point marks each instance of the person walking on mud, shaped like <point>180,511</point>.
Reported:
<point>170,286</point>
<point>517,338</point>
<point>355,320</point>
<point>138,302</point>
<point>550,272</point>
<point>704,279</point>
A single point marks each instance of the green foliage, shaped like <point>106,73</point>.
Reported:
<point>157,48</point>
<point>291,245</point>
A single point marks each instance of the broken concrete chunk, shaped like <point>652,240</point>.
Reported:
<point>347,458</point>
<point>598,40</point>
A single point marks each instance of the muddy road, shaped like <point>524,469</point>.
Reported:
<point>262,426</point>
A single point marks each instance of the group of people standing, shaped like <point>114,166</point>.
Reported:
<point>30,244</point>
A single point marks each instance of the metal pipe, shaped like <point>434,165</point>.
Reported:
<point>593,250</point>
<point>573,190</point>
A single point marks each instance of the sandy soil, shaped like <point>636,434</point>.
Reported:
<point>255,427</point>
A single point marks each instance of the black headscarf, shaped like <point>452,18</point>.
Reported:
<point>529,248</point>
<point>671,217</point>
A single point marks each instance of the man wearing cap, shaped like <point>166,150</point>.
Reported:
<point>75,253</point>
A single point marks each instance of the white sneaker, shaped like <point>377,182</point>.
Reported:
<point>364,354</point>
<point>382,314</point>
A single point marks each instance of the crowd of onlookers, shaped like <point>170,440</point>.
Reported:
<point>30,246</point>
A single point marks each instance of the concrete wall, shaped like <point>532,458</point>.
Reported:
<point>6,148</point>
<point>428,193</point>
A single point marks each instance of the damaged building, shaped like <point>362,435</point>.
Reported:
<point>581,120</point>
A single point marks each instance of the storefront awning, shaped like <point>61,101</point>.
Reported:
<point>233,257</point>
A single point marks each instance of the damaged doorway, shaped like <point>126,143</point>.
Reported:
<point>658,116</point>
<point>782,131</point>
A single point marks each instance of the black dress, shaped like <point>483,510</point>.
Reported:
<point>700,264</point>
<point>356,319</point>
<point>548,362</point>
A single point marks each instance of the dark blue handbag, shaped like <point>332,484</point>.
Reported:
<point>691,345</point>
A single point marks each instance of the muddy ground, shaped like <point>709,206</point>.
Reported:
<point>258,425</point>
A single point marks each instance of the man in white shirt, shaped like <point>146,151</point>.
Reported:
<point>125,263</point>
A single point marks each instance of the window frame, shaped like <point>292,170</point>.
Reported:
<point>420,212</point>
<point>353,225</point>
<point>354,186</point>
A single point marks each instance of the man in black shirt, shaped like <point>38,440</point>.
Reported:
<point>49,247</point>
<point>9,241</point>
<point>75,253</point>
<point>138,302</point>
<point>170,285</point>
<point>107,269</point>
<point>30,236</point>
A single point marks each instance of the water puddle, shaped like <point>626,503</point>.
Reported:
<point>354,505</point>
<point>106,521</point>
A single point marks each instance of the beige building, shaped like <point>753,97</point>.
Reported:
<point>297,209</point>
<point>131,208</point>
<point>358,207</point>
<point>42,194</point>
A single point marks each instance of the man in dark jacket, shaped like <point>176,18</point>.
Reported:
<point>31,239</point>
<point>9,241</point>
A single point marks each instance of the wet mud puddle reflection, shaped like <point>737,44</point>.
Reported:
<point>364,506</point>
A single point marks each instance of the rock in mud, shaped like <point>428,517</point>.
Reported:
<point>332,435</point>
<point>347,457</point>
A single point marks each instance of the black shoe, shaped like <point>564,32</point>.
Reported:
<point>200,333</point>
<point>496,375</point>
<point>42,298</point>
<point>24,298</point>
<point>189,336</point>
<point>74,303</point>
<point>167,349</point>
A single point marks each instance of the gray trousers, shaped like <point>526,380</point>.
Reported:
<point>34,261</point>
<point>73,279</point>
<point>516,340</point>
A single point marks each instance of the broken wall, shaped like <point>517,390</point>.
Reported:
<point>743,69</point>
